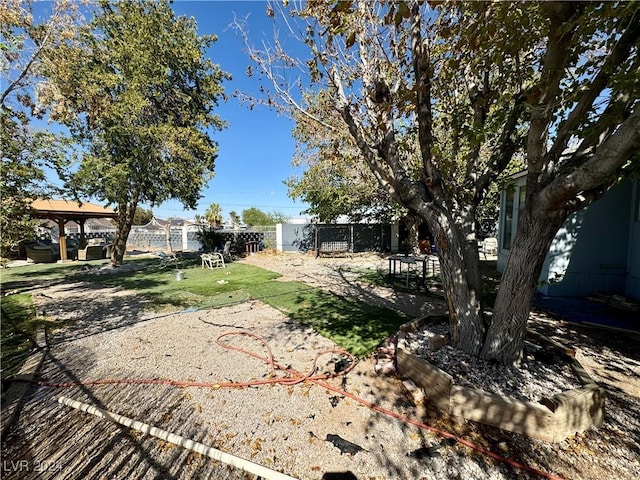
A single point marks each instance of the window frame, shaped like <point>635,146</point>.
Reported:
<point>511,216</point>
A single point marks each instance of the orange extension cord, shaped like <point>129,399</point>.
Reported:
<point>294,377</point>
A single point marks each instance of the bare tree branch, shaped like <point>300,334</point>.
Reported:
<point>544,95</point>
<point>592,90</point>
<point>266,59</point>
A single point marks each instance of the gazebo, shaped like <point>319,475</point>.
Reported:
<point>63,211</point>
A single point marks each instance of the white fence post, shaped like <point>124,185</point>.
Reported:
<point>185,239</point>
<point>279,245</point>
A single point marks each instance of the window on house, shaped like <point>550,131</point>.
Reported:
<point>521,198</point>
<point>507,219</point>
<point>513,206</point>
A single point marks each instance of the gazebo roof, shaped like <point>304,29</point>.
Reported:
<point>67,210</point>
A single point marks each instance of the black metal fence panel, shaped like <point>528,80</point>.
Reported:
<point>360,237</point>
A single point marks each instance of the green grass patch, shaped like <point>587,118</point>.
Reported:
<point>22,279</point>
<point>19,324</point>
<point>381,278</point>
<point>353,325</point>
<point>200,288</point>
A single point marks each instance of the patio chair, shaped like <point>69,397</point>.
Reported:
<point>167,260</point>
<point>91,252</point>
<point>227,254</point>
<point>40,253</point>
<point>490,246</point>
<point>212,260</point>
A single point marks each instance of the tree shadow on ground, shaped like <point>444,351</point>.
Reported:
<point>570,458</point>
<point>566,456</point>
<point>69,443</point>
<point>91,309</point>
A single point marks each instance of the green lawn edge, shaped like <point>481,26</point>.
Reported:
<point>353,325</point>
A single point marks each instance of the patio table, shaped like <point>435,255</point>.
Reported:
<point>408,260</point>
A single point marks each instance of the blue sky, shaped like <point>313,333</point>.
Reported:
<point>255,150</point>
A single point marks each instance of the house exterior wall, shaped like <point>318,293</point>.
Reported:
<point>597,249</point>
<point>590,251</point>
<point>633,275</point>
<point>510,200</point>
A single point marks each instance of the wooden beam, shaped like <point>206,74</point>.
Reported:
<point>63,239</point>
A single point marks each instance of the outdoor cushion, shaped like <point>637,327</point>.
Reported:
<point>40,253</point>
<point>91,252</point>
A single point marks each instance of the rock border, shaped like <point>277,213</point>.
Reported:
<point>554,419</point>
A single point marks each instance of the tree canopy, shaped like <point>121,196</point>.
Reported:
<point>335,182</point>
<point>440,99</point>
<point>255,217</point>
<point>27,151</point>
<point>142,216</point>
<point>234,218</point>
<point>138,93</point>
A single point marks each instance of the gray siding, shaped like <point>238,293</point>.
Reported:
<point>590,252</point>
<point>633,275</point>
<point>597,249</point>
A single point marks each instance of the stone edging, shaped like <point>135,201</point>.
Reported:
<point>553,419</point>
<point>21,383</point>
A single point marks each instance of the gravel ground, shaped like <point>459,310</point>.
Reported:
<point>290,428</point>
<point>536,377</point>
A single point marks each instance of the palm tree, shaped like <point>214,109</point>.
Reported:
<point>213,215</point>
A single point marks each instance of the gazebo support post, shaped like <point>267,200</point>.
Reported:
<point>63,239</point>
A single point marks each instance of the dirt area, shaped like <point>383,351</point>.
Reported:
<point>296,429</point>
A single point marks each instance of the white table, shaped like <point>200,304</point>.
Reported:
<point>410,261</point>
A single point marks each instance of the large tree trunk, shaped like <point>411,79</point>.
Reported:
<point>124,221</point>
<point>505,336</point>
<point>460,270</point>
<point>412,222</point>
